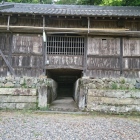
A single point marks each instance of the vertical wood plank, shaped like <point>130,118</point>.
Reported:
<point>85,56</point>
<point>10,48</point>
<point>121,55</point>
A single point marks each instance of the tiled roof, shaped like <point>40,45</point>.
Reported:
<point>6,6</point>
<point>73,10</point>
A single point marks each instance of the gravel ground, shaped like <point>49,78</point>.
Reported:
<point>31,126</point>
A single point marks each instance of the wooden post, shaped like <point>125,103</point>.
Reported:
<point>85,56</point>
<point>88,25</point>
<point>10,48</point>
<point>8,23</point>
<point>44,46</point>
<point>121,55</point>
<point>43,49</point>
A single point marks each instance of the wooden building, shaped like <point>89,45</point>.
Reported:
<point>93,41</point>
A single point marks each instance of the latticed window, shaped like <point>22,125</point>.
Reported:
<point>65,45</point>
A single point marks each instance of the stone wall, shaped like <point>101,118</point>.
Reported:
<point>18,98</point>
<point>23,82</point>
<point>26,92</point>
<point>107,95</point>
<point>111,95</point>
<point>110,83</point>
<point>116,101</point>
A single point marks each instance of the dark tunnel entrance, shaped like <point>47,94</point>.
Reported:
<point>65,79</point>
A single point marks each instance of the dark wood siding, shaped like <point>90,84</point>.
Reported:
<point>131,57</point>
<point>27,57</point>
<point>5,46</point>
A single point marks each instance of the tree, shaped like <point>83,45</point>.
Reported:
<point>110,2</point>
<point>66,2</point>
<point>85,2</point>
<point>130,2</point>
<point>30,1</point>
<point>89,2</point>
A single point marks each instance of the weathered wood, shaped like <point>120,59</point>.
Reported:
<point>103,46</point>
<point>63,60</point>
<point>8,23</point>
<point>88,24</point>
<point>50,67</point>
<point>10,49</point>
<point>31,72</point>
<point>64,29</point>
<point>131,63</point>
<point>121,55</point>
<point>103,56</point>
<point>27,61</point>
<point>103,73</point>
<point>93,63</point>
<point>27,44</point>
<point>7,63</point>
<point>131,74</point>
<point>85,56</point>
<point>131,47</point>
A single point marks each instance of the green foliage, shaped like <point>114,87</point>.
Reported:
<point>89,2</point>
<point>30,1</point>
<point>66,2</point>
<point>84,2</point>
<point>130,2</point>
<point>24,84</point>
<point>110,2</point>
<point>114,86</point>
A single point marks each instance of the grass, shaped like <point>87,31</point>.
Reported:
<point>135,116</point>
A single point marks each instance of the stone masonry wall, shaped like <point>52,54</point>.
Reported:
<point>23,82</point>
<point>116,101</point>
<point>26,92</point>
<point>18,98</point>
<point>111,95</point>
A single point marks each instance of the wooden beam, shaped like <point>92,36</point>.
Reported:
<point>121,55</point>
<point>100,68</point>
<point>7,63</point>
<point>103,56</point>
<point>93,31</point>
<point>64,29</point>
<point>64,67</point>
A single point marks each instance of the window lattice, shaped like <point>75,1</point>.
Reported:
<point>65,45</point>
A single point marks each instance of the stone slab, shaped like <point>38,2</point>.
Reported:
<point>17,99</point>
<point>26,106</point>
<point>7,105</point>
<point>18,91</point>
<point>18,106</point>
<point>115,109</point>
<point>114,93</point>
<point>42,97</point>
<point>113,101</point>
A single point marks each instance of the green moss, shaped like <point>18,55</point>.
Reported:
<point>24,84</point>
<point>114,86</point>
